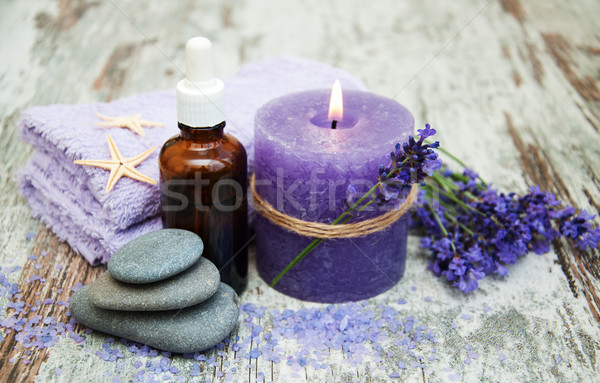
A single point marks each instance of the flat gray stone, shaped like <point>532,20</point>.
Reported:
<point>191,329</point>
<point>156,256</point>
<point>194,285</point>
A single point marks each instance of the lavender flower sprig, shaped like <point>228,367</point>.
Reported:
<point>473,230</point>
<point>410,163</point>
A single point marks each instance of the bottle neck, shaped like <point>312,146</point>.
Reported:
<point>209,134</point>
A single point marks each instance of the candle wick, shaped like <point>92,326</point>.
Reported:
<point>333,124</point>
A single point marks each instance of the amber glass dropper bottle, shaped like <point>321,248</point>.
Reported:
<point>203,171</point>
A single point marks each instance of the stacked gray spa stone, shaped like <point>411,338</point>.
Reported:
<point>160,291</point>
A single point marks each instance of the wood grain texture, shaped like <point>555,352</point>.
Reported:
<point>61,270</point>
<point>511,86</point>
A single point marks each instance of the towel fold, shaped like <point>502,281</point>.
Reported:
<point>71,199</point>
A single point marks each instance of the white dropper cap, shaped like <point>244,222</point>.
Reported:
<point>200,96</point>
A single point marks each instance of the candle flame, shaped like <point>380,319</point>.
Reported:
<point>336,104</point>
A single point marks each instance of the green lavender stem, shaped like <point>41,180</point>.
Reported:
<point>441,225</point>
<point>454,198</point>
<point>456,159</point>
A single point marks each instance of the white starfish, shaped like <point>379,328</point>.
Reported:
<point>133,122</point>
<point>120,166</point>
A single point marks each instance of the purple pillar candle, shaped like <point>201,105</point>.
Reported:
<point>303,168</point>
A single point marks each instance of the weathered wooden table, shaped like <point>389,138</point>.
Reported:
<point>511,86</point>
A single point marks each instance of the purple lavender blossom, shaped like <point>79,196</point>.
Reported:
<point>473,230</point>
<point>410,163</point>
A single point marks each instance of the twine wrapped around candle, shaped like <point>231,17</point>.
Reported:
<point>324,230</point>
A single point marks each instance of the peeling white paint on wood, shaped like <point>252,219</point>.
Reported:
<point>494,77</point>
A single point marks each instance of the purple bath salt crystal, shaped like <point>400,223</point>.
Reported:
<point>401,301</point>
<point>466,316</point>
<point>254,353</point>
<point>558,359</point>
<point>58,371</point>
<point>501,357</point>
<point>256,330</point>
<point>394,375</point>
<point>467,361</point>
<point>473,355</point>
<point>453,326</point>
<point>195,369</point>
<point>344,323</point>
<point>29,236</point>
<point>428,299</point>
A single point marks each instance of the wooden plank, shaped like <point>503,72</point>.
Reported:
<point>61,270</point>
<point>512,87</point>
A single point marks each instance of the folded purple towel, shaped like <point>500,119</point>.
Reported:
<point>71,199</point>
<point>65,204</point>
